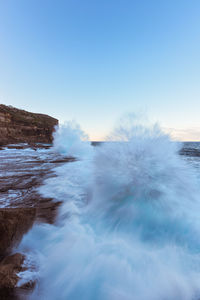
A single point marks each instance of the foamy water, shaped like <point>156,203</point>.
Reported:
<point>129,226</point>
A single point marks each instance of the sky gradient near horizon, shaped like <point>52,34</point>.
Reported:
<point>93,61</point>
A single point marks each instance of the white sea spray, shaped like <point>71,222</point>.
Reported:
<point>129,226</point>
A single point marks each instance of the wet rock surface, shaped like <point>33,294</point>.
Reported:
<point>22,171</point>
<point>9,267</point>
<point>14,223</point>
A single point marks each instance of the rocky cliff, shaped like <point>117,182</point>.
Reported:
<point>20,126</point>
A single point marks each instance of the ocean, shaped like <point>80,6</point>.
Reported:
<point>129,223</point>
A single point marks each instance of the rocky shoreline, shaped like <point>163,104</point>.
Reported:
<point>22,171</point>
<point>26,161</point>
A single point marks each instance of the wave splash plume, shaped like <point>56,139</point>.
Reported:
<point>129,226</point>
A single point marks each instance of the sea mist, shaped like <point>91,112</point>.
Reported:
<point>129,225</point>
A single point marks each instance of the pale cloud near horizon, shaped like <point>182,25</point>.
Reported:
<point>184,134</point>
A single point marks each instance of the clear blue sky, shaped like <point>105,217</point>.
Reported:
<point>92,61</point>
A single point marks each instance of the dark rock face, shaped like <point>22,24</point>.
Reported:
<point>14,222</point>
<point>22,172</point>
<point>9,267</point>
<point>20,126</point>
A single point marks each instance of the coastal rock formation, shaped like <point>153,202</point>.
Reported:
<point>14,222</point>
<point>22,172</point>
<point>20,126</point>
<point>9,267</point>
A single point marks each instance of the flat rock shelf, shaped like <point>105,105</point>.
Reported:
<point>22,171</point>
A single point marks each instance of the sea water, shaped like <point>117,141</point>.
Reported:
<point>129,225</point>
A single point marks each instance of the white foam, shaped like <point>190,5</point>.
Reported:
<point>129,226</point>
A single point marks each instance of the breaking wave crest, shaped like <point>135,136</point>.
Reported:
<point>129,225</point>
